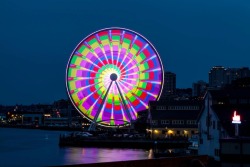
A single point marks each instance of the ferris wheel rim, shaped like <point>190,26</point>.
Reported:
<point>84,39</point>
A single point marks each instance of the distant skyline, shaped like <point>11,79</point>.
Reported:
<point>37,38</point>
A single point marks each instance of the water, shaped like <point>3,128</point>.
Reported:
<point>30,147</point>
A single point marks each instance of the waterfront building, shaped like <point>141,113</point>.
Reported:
<point>56,122</point>
<point>170,119</point>
<point>32,118</point>
<point>215,120</point>
<point>25,118</point>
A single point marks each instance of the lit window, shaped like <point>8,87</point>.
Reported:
<point>160,107</point>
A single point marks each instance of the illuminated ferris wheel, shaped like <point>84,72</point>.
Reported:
<point>112,74</point>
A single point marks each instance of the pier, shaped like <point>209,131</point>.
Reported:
<point>121,142</point>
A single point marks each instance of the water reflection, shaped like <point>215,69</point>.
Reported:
<point>30,147</point>
<point>95,155</point>
<point>150,154</point>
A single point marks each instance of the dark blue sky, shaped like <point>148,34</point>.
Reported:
<point>38,36</point>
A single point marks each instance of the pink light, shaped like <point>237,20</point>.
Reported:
<point>236,118</point>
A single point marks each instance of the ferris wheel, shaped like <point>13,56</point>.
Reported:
<point>112,74</point>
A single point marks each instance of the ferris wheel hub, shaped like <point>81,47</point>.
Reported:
<point>113,77</point>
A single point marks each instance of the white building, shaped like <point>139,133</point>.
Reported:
<point>215,120</point>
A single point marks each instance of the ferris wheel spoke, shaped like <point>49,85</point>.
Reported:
<point>133,109</point>
<point>92,50</point>
<point>122,60</point>
<point>143,48</point>
<point>86,59</point>
<point>147,92</point>
<point>125,82</point>
<point>129,62</point>
<point>101,49</point>
<point>104,54</point>
<point>112,54</point>
<point>133,67</point>
<point>133,59</point>
<point>78,67</point>
<point>89,111</point>
<point>128,98</point>
<point>88,96</point>
<point>129,74</point>
<point>141,101</point>
<point>85,87</point>
<point>150,58</point>
<point>118,55</point>
<point>124,87</point>
<point>151,81</point>
<point>133,113</point>
<point>129,81</point>
<point>124,118</point>
<point>153,70</point>
<point>70,79</point>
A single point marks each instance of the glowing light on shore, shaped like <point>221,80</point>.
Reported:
<point>236,118</point>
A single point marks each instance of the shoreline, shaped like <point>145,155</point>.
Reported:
<point>53,128</point>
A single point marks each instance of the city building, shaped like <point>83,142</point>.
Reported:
<point>216,76</point>
<point>241,83</point>
<point>2,118</point>
<point>231,74</point>
<point>220,76</point>
<point>215,120</point>
<point>244,72</point>
<point>32,118</point>
<point>25,118</point>
<point>199,88</point>
<point>169,87</point>
<point>173,118</point>
<point>183,94</point>
<point>56,122</point>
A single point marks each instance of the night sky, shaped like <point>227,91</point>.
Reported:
<point>38,36</point>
